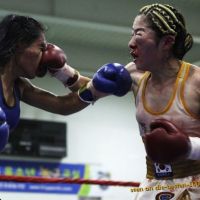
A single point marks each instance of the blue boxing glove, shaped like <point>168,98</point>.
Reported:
<point>4,130</point>
<point>112,78</point>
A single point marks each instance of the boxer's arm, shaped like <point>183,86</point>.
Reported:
<point>111,78</point>
<point>45,100</point>
<point>80,83</point>
<point>194,153</point>
<point>54,60</point>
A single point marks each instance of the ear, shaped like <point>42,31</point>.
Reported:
<point>168,41</point>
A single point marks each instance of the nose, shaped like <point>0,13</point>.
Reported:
<point>132,46</point>
<point>131,43</point>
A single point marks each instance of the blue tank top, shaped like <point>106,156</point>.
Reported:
<point>12,112</point>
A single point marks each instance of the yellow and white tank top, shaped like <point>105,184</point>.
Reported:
<point>175,111</point>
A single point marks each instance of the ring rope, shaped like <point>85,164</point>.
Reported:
<point>34,179</point>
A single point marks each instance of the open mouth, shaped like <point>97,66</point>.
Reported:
<point>134,54</point>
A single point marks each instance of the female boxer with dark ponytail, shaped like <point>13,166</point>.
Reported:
<point>24,55</point>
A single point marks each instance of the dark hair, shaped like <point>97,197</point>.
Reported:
<point>166,20</point>
<point>14,30</point>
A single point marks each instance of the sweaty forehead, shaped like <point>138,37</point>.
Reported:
<point>140,22</point>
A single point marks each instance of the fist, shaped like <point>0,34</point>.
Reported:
<point>53,58</point>
<point>4,130</point>
<point>166,143</point>
<point>112,78</point>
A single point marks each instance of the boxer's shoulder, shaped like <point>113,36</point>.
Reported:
<point>23,84</point>
<point>136,74</point>
<point>194,76</point>
<point>194,70</point>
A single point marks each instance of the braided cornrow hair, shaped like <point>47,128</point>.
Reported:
<point>166,20</point>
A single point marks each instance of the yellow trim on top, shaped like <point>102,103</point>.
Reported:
<point>140,81</point>
<point>182,93</point>
<point>147,108</point>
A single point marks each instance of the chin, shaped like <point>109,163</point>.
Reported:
<point>41,72</point>
<point>138,66</point>
<point>30,76</point>
<point>141,67</point>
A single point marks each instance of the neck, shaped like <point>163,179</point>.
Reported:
<point>8,75</point>
<point>165,72</point>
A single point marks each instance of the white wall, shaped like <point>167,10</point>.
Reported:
<point>105,134</point>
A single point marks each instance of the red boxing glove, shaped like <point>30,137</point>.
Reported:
<point>54,60</point>
<point>166,143</point>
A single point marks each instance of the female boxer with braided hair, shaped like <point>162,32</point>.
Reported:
<point>167,97</point>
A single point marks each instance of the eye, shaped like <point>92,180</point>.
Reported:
<point>43,47</point>
<point>136,33</point>
<point>139,33</point>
